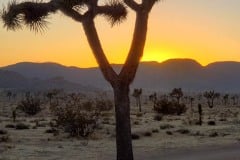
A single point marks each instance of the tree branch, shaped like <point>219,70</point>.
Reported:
<point>132,4</point>
<point>94,42</point>
<point>129,69</point>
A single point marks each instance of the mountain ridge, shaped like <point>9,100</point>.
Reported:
<point>185,73</point>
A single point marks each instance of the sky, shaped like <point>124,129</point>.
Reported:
<point>204,30</point>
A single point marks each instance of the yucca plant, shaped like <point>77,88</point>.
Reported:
<point>34,14</point>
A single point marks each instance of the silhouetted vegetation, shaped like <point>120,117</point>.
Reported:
<point>211,96</point>
<point>31,105</point>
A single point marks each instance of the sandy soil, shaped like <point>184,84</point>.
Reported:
<point>164,142</point>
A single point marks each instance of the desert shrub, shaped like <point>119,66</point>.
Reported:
<point>135,136</point>
<point>155,130</point>
<point>31,105</point>
<point>136,122</point>
<point>21,126</point>
<point>166,126</point>
<point>147,134</point>
<point>3,132</point>
<point>51,130</point>
<point>183,131</point>
<point>104,105</point>
<point>213,134</point>
<point>169,133</point>
<point>4,139</point>
<point>139,114</point>
<point>211,123</point>
<point>76,117</point>
<point>158,117</point>
<point>169,107</point>
<point>9,126</point>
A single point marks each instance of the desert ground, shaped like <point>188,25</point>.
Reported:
<point>168,137</point>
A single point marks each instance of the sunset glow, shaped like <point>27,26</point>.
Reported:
<point>204,30</point>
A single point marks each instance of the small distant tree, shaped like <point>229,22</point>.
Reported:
<point>51,94</point>
<point>226,99</point>
<point>177,93</point>
<point>234,99</point>
<point>200,113</point>
<point>9,94</point>
<point>191,104</point>
<point>211,96</point>
<point>137,95</point>
<point>153,98</point>
<point>34,14</point>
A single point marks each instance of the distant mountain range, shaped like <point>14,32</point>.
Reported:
<point>185,73</point>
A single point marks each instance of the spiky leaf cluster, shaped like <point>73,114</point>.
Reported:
<point>114,11</point>
<point>32,14</point>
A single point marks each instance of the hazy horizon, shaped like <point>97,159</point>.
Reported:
<point>44,62</point>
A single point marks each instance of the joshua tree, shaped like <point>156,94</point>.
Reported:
<point>153,98</point>
<point>211,96</point>
<point>225,99</point>
<point>137,95</point>
<point>235,99</point>
<point>33,14</point>
<point>191,104</point>
<point>9,95</point>
<point>177,93</point>
<point>200,114</point>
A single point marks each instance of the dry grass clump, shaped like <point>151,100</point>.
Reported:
<point>183,131</point>
<point>166,126</point>
<point>155,130</point>
<point>147,134</point>
<point>4,139</point>
<point>9,126</point>
<point>21,126</point>
<point>135,136</point>
<point>158,117</point>
<point>211,123</point>
<point>3,132</point>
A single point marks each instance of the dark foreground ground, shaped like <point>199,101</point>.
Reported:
<point>229,152</point>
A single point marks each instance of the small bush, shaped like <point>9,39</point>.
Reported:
<point>136,122</point>
<point>211,123</point>
<point>4,139</point>
<point>76,117</point>
<point>21,126</point>
<point>213,134</point>
<point>139,114</point>
<point>183,131</point>
<point>169,108</point>
<point>158,117</point>
<point>169,133</point>
<point>135,136</point>
<point>3,132</point>
<point>166,126</point>
<point>51,130</point>
<point>30,105</point>
<point>155,130</point>
<point>9,126</point>
<point>147,134</point>
<point>104,105</point>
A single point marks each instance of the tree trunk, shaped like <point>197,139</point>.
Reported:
<point>139,104</point>
<point>123,123</point>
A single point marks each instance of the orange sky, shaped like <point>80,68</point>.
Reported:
<point>204,30</point>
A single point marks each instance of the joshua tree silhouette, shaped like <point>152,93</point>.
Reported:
<point>211,96</point>
<point>137,95</point>
<point>33,14</point>
<point>177,93</point>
